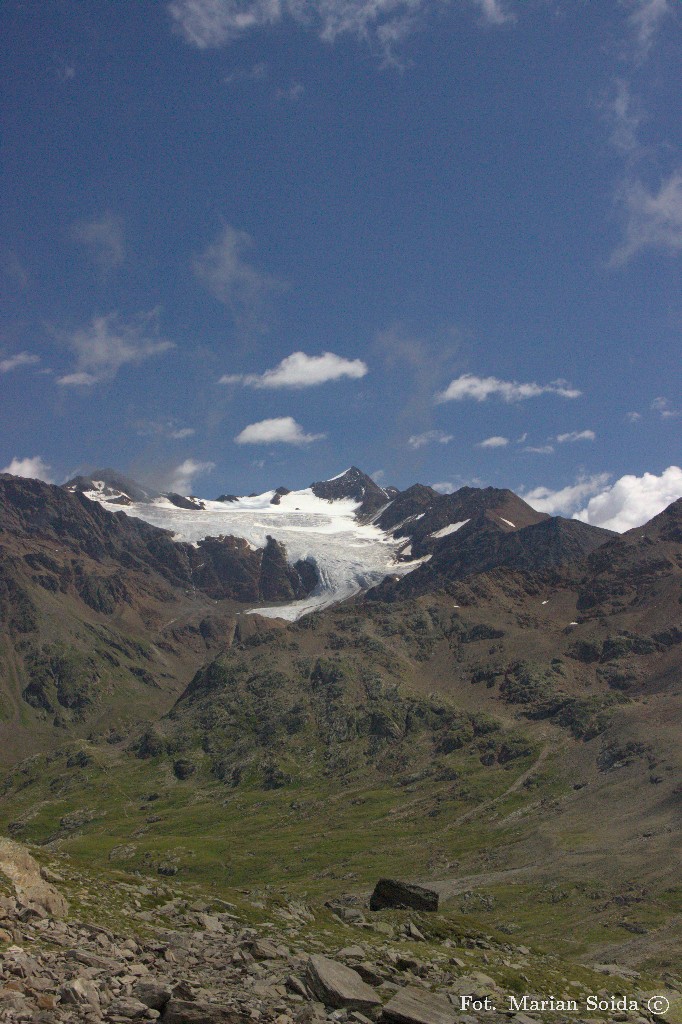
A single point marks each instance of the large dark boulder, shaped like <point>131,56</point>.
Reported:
<point>390,894</point>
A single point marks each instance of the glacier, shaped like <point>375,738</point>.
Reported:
<point>350,556</point>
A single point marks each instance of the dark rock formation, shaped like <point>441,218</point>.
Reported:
<point>390,894</point>
<point>356,485</point>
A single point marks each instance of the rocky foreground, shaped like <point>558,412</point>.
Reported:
<point>198,962</point>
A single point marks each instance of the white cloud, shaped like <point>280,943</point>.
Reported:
<point>632,500</point>
<point>624,114</point>
<point>20,359</point>
<point>429,437</point>
<point>102,348</point>
<point>663,407</point>
<point>653,220</point>
<point>163,428</point>
<point>567,499</point>
<point>103,240</point>
<point>493,12</point>
<point>576,435</point>
<point>211,23</point>
<point>444,487</point>
<point>281,430</point>
<point>541,449</point>
<point>34,468</point>
<point>291,93</point>
<point>481,388</point>
<point>301,371</point>
<point>183,475</point>
<point>633,417</point>
<point>646,20</point>
<point>223,269</point>
<point>494,442</point>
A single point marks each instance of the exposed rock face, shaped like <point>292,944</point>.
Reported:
<point>115,484</point>
<point>180,501</point>
<point>24,873</point>
<point>356,485</point>
<point>39,516</point>
<point>339,986</point>
<point>487,543</point>
<point>389,893</point>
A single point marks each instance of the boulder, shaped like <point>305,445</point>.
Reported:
<point>390,894</point>
<point>419,1006</point>
<point>153,993</point>
<point>339,986</point>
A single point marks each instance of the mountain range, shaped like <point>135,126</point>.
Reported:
<point>312,689</point>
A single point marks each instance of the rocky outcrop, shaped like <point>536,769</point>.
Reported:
<point>389,893</point>
<point>356,485</point>
<point>17,864</point>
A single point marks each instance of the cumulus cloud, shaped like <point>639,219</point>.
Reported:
<point>482,388</point>
<point>105,345</point>
<point>34,468</point>
<point>565,501</point>
<point>280,430</point>
<point>210,23</point>
<point>429,437</point>
<point>102,239</point>
<point>632,500</point>
<point>653,220</point>
<point>15,361</point>
<point>494,442</point>
<point>301,371</point>
<point>223,268</point>
<point>444,487</point>
<point>633,417</point>
<point>183,475</point>
<point>540,449</point>
<point>576,435</point>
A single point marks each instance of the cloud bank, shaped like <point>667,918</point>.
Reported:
<point>632,500</point>
<point>629,502</point>
<point>34,468</point>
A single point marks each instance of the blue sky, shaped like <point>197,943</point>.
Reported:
<point>251,242</point>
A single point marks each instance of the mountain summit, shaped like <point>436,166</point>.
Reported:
<point>355,484</point>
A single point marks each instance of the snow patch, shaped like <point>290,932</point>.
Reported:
<point>447,530</point>
<point>506,521</point>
